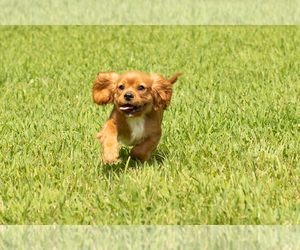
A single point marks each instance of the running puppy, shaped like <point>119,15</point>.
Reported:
<point>139,103</point>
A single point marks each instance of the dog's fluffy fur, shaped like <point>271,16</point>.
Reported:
<point>139,102</point>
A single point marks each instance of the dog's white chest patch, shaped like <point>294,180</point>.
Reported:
<point>137,127</point>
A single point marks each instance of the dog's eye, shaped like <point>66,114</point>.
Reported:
<point>141,87</point>
<point>121,87</point>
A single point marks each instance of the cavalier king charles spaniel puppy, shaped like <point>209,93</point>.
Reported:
<point>139,103</point>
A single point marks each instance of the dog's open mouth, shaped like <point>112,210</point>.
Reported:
<point>130,109</point>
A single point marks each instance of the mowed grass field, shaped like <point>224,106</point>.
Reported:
<point>230,148</point>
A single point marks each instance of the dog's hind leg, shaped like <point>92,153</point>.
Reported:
<point>144,150</point>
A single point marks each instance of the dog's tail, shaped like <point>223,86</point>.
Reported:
<point>174,78</point>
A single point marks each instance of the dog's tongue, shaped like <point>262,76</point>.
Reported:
<point>126,107</point>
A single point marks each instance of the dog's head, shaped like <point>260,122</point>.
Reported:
<point>133,93</point>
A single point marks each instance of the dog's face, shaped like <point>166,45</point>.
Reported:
<point>133,93</point>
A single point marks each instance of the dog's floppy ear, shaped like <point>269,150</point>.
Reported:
<point>104,86</point>
<point>162,90</point>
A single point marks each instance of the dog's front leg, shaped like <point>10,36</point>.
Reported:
<point>144,150</point>
<point>109,139</point>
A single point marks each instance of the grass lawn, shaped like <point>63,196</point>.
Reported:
<point>230,147</point>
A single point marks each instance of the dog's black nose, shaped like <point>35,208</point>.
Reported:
<point>128,97</point>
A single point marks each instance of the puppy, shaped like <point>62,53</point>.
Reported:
<point>139,103</point>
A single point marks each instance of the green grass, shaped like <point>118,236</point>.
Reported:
<point>230,147</point>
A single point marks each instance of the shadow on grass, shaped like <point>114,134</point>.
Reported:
<point>159,155</point>
<point>125,162</point>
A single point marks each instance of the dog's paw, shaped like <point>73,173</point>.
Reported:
<point>141,156</point>
<point>110,157</point>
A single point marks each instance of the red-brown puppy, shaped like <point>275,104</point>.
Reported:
<point>139,102</point>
